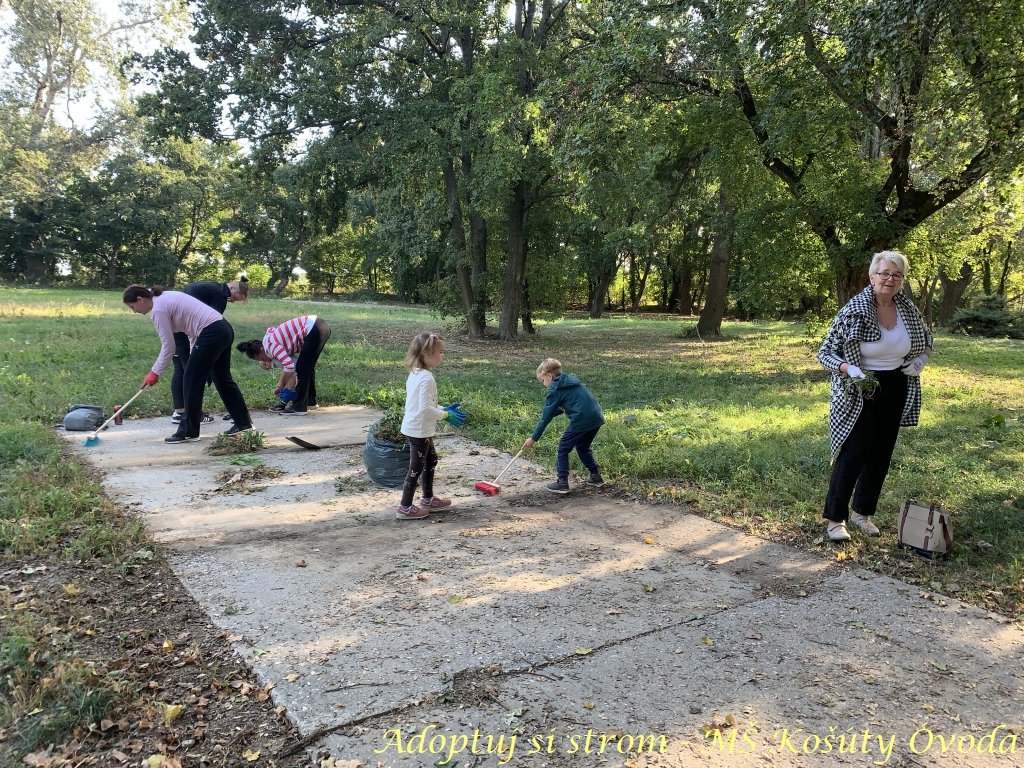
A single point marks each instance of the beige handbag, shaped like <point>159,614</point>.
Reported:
<point>926,530</point>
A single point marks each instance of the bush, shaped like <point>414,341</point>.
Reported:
<point>989,316</point>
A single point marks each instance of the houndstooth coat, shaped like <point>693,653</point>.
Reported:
<point>857,322</point>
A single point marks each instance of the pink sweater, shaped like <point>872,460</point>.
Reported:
<point>175,312</point>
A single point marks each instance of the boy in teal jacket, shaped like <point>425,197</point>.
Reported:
<point>567,395</point>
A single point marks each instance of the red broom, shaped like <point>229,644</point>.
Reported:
<point>492,489</point>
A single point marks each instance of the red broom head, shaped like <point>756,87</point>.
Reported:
<point>487,488</point>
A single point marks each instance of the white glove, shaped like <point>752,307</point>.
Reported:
<point>915,366</point>
<point>854,372</point>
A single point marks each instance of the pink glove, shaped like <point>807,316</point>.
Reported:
<point>151,379</point>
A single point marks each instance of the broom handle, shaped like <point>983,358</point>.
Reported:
<point>506,468</point>
<point>106,423</point>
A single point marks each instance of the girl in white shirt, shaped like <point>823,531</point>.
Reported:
<point>420,425</point>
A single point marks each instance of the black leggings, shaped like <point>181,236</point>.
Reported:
<point>863,461</point>
<point>305,366</point>
<point>212,352</point>
<point>422,460</point>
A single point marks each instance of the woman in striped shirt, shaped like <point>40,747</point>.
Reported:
<point>294,347</point>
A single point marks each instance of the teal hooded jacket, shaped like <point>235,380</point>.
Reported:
<point>567,394</point>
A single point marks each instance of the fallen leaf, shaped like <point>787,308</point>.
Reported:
<point>928,708</point>
<point>106,725</point>
<point>730,721</point>
<point>171,762</point>
<point>70,589</point>
<point>455,599</point>
<point>300,564</point>
<point>647,587</point>
<point>171,711</point>
<point>168,646</point>
<point>257,652</point>
<point>235,638</point>
<point>251,756</point>
<point>613,611</point>
<point>707,641</point>
<point>678,650</point>
<point>121,757</point>
<point>581,651</point>
<point>1016,729</point>
<point>939,665</point>
<point>292,677</point>
<point>869,680</point>
<point>588,705</point>
<point>155,761</point>
<point>649,540</point>
<point>40,759</point>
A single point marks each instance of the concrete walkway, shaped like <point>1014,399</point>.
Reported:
<point>566,627</point>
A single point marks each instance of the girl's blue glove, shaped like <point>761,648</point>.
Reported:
<point>455,417</point>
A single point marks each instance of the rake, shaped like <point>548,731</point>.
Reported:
<point>93,439</point>
<point>492,489</point>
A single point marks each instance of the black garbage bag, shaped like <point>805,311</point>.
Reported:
<point>386,463</point>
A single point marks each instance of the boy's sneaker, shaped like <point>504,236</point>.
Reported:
<point>177,417</point>
<point>412,513</point>
<point>207,419</point>
<point>290,411</point>
<point>595,481</point>
<point>237,430</point>
<point>227,417</point>
<point>435,503</point>
<point>559,486</point>
<point>180,439</point>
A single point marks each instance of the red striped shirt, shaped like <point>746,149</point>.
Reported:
<point>285,341</point>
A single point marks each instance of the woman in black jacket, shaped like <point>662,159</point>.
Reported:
<point>216,296</point>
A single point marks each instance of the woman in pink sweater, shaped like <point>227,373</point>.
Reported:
<point>210,336</point>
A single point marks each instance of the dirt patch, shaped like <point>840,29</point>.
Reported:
<point>142,639</point>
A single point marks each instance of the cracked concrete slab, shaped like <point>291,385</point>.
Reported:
<point>516,615</point>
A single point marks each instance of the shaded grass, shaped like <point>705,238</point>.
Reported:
<point>735,429</point>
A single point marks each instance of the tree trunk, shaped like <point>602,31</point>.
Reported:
<point>527,317</point>
<point>112,267</point>
<point>686,290</point>
<point>604,282</point>
<point>710,323</point>
<point>953,291</point>
<point>851,278</point>
<point>1001,289</point>
<point>929,301</point>
<point>458,234</point>
<point>478,269</point>
<point>515,269</point>
<point>639,287</point>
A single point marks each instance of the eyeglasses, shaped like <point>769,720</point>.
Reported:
<point>885,276</point>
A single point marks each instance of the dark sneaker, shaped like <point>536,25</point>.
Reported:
<point>289,411</point>
<point>180,439</point>
<point>237,430</point>
<point>227,417</point>
<point>279,407</point>
<point>595,481</point>
<point>412,513</point>
<point>559,486</point>
<point>207,419</point>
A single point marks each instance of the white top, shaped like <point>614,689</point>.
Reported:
<point>176,312</point>
<point>421,410</point>
<point>889,352</point>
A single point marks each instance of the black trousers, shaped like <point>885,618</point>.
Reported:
<point>863,461</point>
<point>212,352</point>
<point>180,360</point>
<point>581,442</point>
<point>422,461</point>
<point>305,366</point>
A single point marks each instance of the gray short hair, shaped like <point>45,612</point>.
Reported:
<point>893,257</point>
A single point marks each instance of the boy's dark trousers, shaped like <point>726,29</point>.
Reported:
<point>581,442</point>
<point>422,461</point>
<point>863,461</point>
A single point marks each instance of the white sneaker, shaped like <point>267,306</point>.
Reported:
<point>838,532</point>
<point>864,523</point>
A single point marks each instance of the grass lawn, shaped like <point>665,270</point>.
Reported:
<point>735,430</point>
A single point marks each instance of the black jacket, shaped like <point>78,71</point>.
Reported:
<point>213,295</point>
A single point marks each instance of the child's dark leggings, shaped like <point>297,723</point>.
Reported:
<point>581,442</point>
<point>422,460</point>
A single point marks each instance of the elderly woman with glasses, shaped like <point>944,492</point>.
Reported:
<point>878,331</point>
